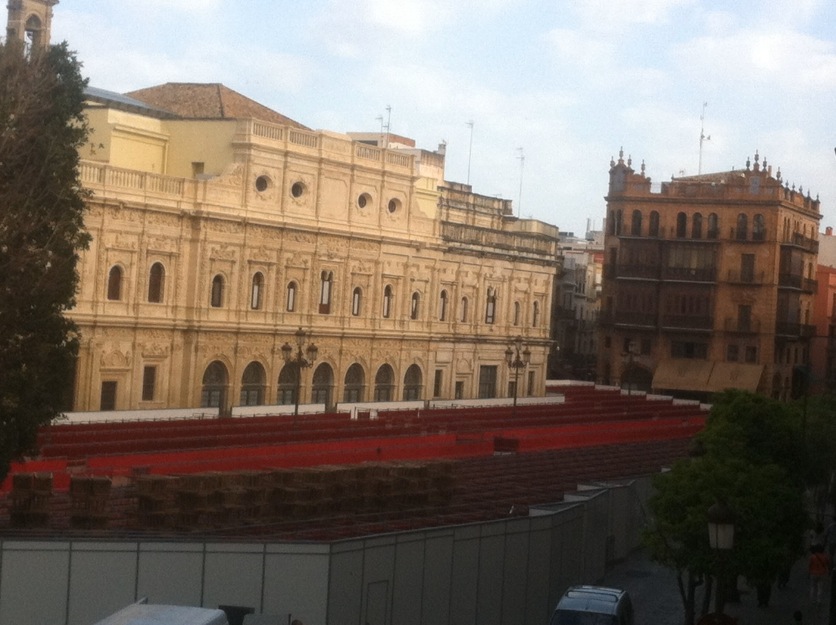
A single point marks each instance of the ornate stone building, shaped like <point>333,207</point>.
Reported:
<point>30,21</point>
<point>220,228</point>
<point>709,281</point>
<point>578,296</point>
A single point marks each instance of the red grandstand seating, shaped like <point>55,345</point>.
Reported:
<point>522,456</point>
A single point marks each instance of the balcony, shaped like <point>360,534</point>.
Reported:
<point>735,276</point>
<point>623,318</point>
<point>690,274</point>
<point>805,243</point>
<point>742,326</point>
<point>517,243</point>
<point>794,330</point>
<point>798,282</point>
<point>699,323</point>
<point>643,271</point>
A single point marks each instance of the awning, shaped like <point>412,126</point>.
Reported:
<point>735,375</point>
<point>683,374</point>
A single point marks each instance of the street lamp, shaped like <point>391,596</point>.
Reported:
<point>721,540</point>
<point>627,374</point>
<point>299,360</point>
<point>517,358</point>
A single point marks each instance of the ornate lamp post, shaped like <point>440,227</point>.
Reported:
<point>627,375</point>
<point>721,540</point>
<point>517,358</point>
<point>299,360</point>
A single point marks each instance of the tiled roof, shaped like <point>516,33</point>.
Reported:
<point>103,96</point>
<point>208,101</point>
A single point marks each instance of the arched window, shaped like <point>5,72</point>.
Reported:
<point>442,306</point>
<point>114,283</point>
<point>618,223</point>
<point>384,384</point>
<point>291,297</point>
<point>256,292</point>
<point>355,382</point>
<point>742,227</point>
<point>535,315</point>
<point>215,379</point>
<point>217,299</point>
<point>412,383</point>
<point>653,230</point>
<point>415,306</point>
<point>463,316</point>
<point>286,392</point>
<point>696,226</point>
<point>758,228</point>
<point>636,224</point>
<point>490,306</point>
<point>252,385</point>
<point>387,302</point>
<point>156,283</point>
<point>323,385</point>
<point>516,313</point>
<point>327,278</point>
<point>681,225</point>
<point>356,301</point>
<point>713,226</point>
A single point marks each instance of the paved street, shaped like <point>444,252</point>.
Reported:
<point>656,598</point>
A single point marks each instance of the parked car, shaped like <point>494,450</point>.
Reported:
<point>593,605</point>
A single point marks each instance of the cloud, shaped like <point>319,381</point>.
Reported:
<point>608,16</point>
<point>579,50</point>
<point>193,7</point>
<point>366,28</point>
<point>786,59</point>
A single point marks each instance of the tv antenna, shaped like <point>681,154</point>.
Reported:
<point>703,136</point>
<point>522,164</point>
<point>470,152</point>
<point>384,128</point>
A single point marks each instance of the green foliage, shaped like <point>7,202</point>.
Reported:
<point>756,429</point>
<point>753,459</point>
<point>41,234</point>
<point>819,417</point>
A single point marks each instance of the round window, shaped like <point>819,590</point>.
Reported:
<point>394,205</point>
<point>262,183</point>
<point>364,200</point>
<point>297,189</point>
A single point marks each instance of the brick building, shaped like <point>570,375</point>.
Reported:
<point>709,281</point>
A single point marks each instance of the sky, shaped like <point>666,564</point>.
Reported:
<point>532,98</point>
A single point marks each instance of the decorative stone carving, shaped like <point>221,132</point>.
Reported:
<point>115,359</point>
<point>223,252</point>
<point>232,176</point>
<point>155,350</point>
<point>162,245</point>
<point>464,365</point>
<point>222,225</point>
<point>124,242</point>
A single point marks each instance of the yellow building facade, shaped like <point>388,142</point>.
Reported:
<point>221,228</point>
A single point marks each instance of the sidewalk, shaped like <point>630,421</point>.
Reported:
<point>656,596</point>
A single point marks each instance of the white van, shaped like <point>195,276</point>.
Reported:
<point>593,605</point>
<point>149,614</point>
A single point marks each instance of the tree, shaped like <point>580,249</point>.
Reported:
<point>820,434</point>
<point>42,125</point>
<point>752,459</point>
